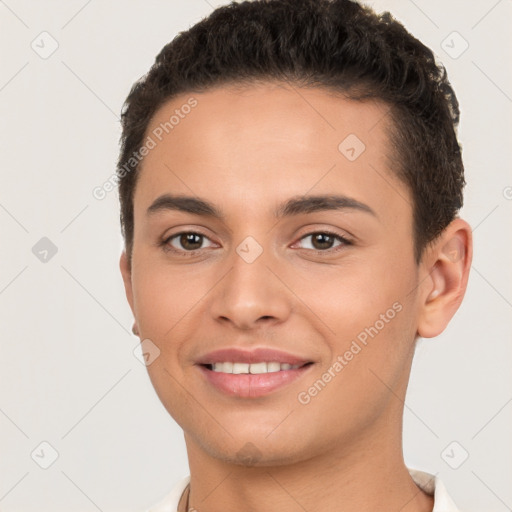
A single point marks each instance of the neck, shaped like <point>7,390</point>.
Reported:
<point>365,474</point>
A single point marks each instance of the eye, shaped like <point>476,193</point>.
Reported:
<point>322,241</point>
<point>186,241</point>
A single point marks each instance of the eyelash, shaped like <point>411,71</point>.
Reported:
<point>183,253</point>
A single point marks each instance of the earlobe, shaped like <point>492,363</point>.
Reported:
<point>447,270</point>
<point>127,278</point>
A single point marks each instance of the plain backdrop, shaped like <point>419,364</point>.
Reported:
<point>74,395</point>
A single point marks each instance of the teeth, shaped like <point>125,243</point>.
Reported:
<point>239,367</point>
<point>273,367</point>
<point>227,367</point>
<point>258,368</point>
<point>253,368</point>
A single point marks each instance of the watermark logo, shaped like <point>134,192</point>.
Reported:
<point>351,147</point>
<point>454,45</point>
<point>44,455</point>
<point>455,455</point>
<point>44,250</point>
<point>147,353</point>
<point>45,45</point>
<point>249,249</point>
<point>249,454</point>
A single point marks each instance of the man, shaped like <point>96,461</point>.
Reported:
<point>290,178</point>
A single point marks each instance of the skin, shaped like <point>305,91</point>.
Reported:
<point>247,151</point>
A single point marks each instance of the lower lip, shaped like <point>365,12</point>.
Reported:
<point>247,385</point>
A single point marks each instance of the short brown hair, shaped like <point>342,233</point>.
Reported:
<point>336,44</point>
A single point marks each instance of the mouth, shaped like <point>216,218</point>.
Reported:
<point>252,368</point>
<point>252,380</point>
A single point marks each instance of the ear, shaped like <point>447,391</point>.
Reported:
<point>444,276</point>
<point>126,272</point>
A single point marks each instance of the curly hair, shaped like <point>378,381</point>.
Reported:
<point>339,45</point>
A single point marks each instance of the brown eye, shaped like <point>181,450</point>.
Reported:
<point>190,241</point>
<point>186,241</point>
<point>324,241</point>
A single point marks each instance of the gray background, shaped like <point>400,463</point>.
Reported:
<point>69,374</point>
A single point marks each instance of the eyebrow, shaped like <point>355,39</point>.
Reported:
<point>294,206</point>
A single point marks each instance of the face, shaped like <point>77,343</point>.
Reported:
<point>330,283</point>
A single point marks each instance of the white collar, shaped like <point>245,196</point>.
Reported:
<point>431,484</point>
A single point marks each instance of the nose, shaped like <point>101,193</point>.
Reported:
<point>252,294</point>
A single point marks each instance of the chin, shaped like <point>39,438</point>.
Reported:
<point>254,453</point>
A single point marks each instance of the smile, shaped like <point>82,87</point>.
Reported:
<point>252,368</point>
<point>251,380</point>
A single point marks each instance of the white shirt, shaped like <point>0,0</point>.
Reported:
<point>431,484</point>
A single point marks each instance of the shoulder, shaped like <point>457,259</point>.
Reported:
<point>169,503</point>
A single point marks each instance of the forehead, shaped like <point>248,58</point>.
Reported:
<point>247,146</point>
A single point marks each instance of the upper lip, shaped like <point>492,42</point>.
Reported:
<point>256,355</point>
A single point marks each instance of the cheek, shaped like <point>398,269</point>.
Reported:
<point>164,305</point>
<point>369,354</point>
<point>367,317</point>
<point>349,298</point>
<point>162,298</point>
